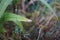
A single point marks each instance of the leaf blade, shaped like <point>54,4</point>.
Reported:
<point>15,18</point>
<point>3,6</point>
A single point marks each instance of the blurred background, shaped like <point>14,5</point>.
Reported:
<point>45,24</point>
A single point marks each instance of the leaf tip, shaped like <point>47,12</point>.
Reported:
<point>29,20</point>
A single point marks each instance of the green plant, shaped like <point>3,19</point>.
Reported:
<point>32,11</point>
<point>8,16</point>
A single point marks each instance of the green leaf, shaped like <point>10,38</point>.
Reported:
<point>44,2</point>
<point>15,18</point>
<point>3,6</point>
<point>51,9</point>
